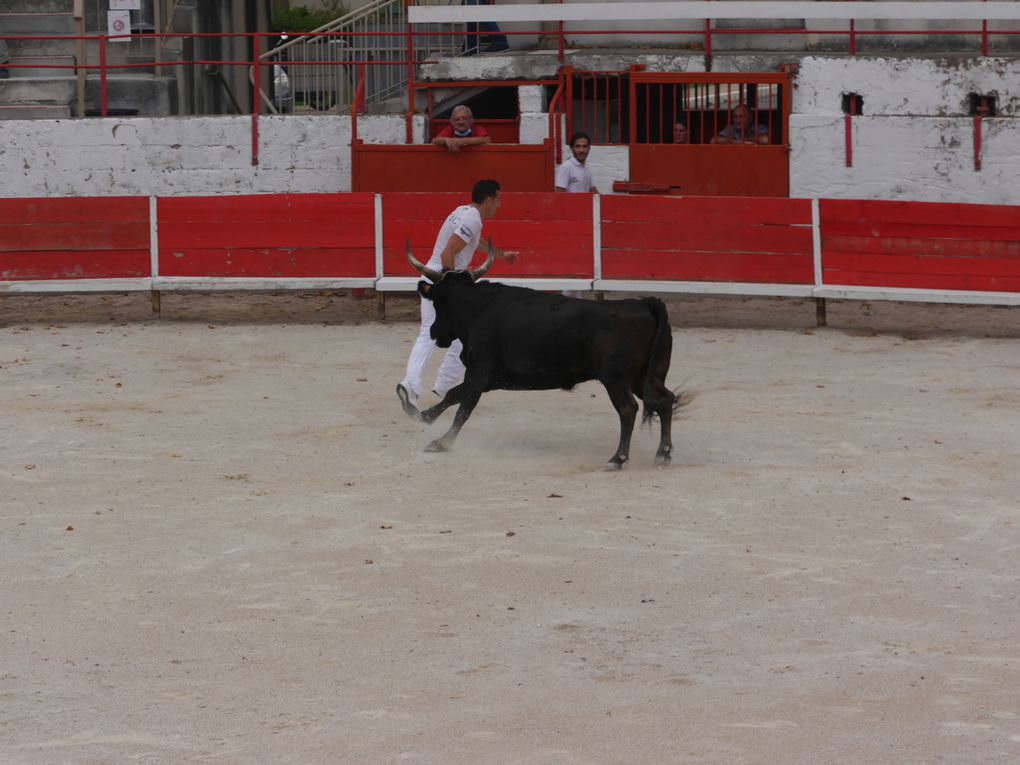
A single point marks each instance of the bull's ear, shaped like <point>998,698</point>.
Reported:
<point>423,288</point>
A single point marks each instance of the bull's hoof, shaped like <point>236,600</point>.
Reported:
<point>663,460</point>
<point>436,446</point>
<point>611,465</point>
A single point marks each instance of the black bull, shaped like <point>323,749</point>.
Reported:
<point>520,339</point>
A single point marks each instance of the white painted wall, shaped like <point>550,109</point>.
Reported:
<point>914,141</point>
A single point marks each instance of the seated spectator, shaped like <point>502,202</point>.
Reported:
<point>740,129</point>
<point>462,131</point>
<point>492,39</point>
<point>680,134</point>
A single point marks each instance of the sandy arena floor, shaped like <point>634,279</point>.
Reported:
<point>221,541</point>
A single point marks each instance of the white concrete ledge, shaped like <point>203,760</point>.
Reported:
<point>410,284</point>
<point>918,296</point>
<point>213,284</point>
<point>76,285</point>
<point>715,9</point>
<point>705,288</point>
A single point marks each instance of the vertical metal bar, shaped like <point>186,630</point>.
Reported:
<point>984,36</point>
<point>708,45</point>
<point>632,137</point>
<point>81,72</point>
<point>977,143</point>
<point>256,99</point>
<point>409,135</point>
<point>609,122</point>
<point>853,37</point>
<point>103,100</point>
<point>619,109</point>
<point>848,123</point>
<point>568,105</point>
<point>561,43</point>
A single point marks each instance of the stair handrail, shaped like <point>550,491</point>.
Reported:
<point>371,7</point>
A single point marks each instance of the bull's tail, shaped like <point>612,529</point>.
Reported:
<point>656,397</point>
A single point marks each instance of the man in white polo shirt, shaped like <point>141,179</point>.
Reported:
<point>574,176</point>
<point>455,246</point>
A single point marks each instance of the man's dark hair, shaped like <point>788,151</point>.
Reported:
<point>578,136</point>
<point>483,190</point>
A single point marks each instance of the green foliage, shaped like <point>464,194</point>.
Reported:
<point>300,19</point>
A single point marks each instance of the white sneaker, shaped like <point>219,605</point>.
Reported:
<point>408,400</point>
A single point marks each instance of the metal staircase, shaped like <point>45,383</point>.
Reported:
<point>319,71</point>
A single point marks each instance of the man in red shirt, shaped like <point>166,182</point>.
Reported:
<point>462,131</point>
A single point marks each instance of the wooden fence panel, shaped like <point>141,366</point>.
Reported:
<point>720,239</point>
<point>75,238</point>
<point>920,245</point>
<point>553,232</point>
<point>271,236</point>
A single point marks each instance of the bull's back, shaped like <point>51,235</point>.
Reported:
<point>538,341</point>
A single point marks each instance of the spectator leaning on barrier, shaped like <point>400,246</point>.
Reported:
<point>462,131</point>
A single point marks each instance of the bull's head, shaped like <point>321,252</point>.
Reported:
<point>436,276</point>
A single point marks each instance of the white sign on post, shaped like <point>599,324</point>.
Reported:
<point>119,23</point>
<point>125,5</point>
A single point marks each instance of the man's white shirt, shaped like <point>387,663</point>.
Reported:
<point>573,176</point>
<point>466,223</point>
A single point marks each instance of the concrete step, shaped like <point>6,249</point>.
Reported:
<point>38,6</point>
<point>37,23</point>
<point>34,111</point>
<point>53,90</point>
<point>41,66</point>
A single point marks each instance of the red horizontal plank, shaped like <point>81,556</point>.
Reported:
<point>77,264</point>
<point>87,235</point>
<point>894,229</point>
<point>955,248</point>
<point>73,210</point>
<point>922,281</point>
<point>717,210</point>
<point>267,262</point>
<point>268,207</point>
<point>919,264</point>
<point>545,262</point>
<point>698,266</point>
<point>664,235</point>
<point>256,234</point>
<point>938,213</point>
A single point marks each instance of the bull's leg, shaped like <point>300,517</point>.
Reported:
<point>451,398</point>
<point>468,394</point>
<point>664,454</point>
<point>626,407</point>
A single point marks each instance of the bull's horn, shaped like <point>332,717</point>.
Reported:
<point>434,276</point>
<point>479,272</point>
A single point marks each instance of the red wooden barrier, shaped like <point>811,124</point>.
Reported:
<point>415,167</point>
<point>552,232</point>
<point>712,170</point>
<point>731,239</point>
<point>921,245</point>
<point>74,238</point>
<point>278,235</point>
